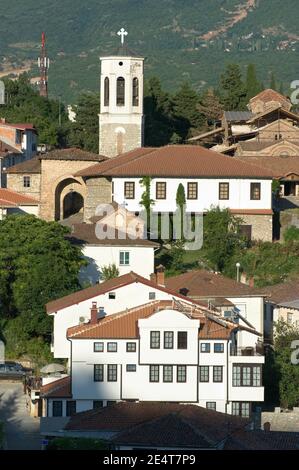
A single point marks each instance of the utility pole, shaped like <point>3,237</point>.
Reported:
<point>43,65</point>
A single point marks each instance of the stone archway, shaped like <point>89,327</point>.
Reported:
<point>69,198</point>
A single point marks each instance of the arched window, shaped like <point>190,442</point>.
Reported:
<point>135,92</point>
<point>106,91</point>
<point>120,91</point>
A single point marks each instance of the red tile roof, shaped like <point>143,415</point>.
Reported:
<point>73,154</point>
<point>287,291</point>
<point>103,288</point>
<point>60,388</point>
<point>21,126</point>
<point>29,166</point>
<point>269,95</point>
<point>205,284</point>
<point>137,422</point>
<point>176,161</point>
<point>125,324</point>
<point>11,198</point>
<point>280,166</point>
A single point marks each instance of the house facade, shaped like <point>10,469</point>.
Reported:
<point>160,351</point>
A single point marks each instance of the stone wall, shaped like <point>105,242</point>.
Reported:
<point>261,226</point>
<point>114,141</point>
<point>55,173</point>
<point>99,191</point>
<point>15,183</point>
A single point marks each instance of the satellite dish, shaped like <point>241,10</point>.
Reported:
<point>2,93</point>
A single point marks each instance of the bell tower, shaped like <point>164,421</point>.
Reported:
<point>121,114</point>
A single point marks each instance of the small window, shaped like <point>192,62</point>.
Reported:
<point>131,368</point>
<point>204,374</point>
<point>223,191</point>
<point>131,347</point>
<point>120,91</point>
<point>255,191</point>
<point>167,373</point>
<point>168,339</point>
<point>71,407</point>
<point>152,295</point>
<point>217,374</point>
<point>98,347</point>
<point>241,409</point>
<point>192,191</point>
<point>112,373</point>
<point>211,405</point>
<point>205,347</point>
<point>218,347</point>
<point>98,373</point>
<point>111,347</point>
<point>129,190</point>
<point>57,408</point>
<point>26,181</point>
<point>124,258</point>
<point>154,373</point>
<point>112,295</point>
<point>182,339</point>
<point>97,404</point>
<point>181,375</point>
<point>155,339</point>
<point>289,318</point>
<point>106,91</point>
<point>161,190</point>
<point>135,92</point>
<point>33,147</point>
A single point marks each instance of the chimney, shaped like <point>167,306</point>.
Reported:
<point>251,282</point>
<point>153,278</point>
<point>94,313</point>
<point>160,275</point>
<point>3,120</point>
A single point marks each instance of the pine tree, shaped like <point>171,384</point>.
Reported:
<point>273,81</point>
<point>157,109</point>
<point>234,90</point>
<point>253,86</point>
<point>185,110</point>
<point>210,106</point>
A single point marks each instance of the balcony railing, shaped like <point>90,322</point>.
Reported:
<point>247,351</point>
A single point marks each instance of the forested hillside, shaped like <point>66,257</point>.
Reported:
<point>182,40</point>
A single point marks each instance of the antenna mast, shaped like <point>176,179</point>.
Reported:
<point>43,65</point>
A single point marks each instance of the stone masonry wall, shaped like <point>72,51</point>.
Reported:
<point>261,226</point>
<point>131,140</point>
<point>15,183</point>
<point>99,191</point>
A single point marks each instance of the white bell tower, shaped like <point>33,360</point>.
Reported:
<point>121,115</point>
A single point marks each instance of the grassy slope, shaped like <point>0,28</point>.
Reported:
<point>162,30</point>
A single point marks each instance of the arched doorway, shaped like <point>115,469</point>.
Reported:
<point>73,203</point>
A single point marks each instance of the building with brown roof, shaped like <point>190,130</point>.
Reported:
<point>163,351</point>
<point>15,203</point>
<point>49,178</point>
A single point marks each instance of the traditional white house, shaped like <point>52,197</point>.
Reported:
<point>116,295</point>
<point>164,350</point>
<point>209,179</point>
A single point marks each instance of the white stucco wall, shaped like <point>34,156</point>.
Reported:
<point>208,194</point>
<point>141,261</point>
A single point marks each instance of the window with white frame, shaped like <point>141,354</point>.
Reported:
<point>205,347</point>
<point>98,347</point>
<point>124,258</point>
<point>247,375</point>
<point>289,318</point>
<point>111,347</point>
<point>211,405</point>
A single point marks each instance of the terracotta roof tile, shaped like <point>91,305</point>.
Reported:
<point>205,284</point>
<point>127,417</point>
<point>73,154</point>
<point>176,161</point>
<point>280,166</point>
<point>30,166</point>
<point>103,288</point>
<point>60,388</point>
<point>284,292</point>
<point>269,95</point>
<point>13,198</point>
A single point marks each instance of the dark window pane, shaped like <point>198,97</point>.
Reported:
<point>182,339</point>
<point>120,91</point>
<point>155,339</point>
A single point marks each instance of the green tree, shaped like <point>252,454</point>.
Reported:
<point>84,132</point>
<point>180,203</point>
<point>253,86</point>
<point>146,201</point>
<point>234,90</point>
<point>110,271</point>
<point>37,264</point>
<point>273,84</point>
<point>185,112</point>
<point>222,237</point>
<point>291,234</point>
<point>210,106</point>
<point>289,372</point>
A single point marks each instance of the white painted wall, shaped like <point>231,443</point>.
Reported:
<point>141,261</point>
<point>251,308</point>
<point>128,296</point>
<point>208,194</point>
<point>34,210</point>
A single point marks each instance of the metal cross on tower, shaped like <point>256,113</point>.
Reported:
<point>122,33</point>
